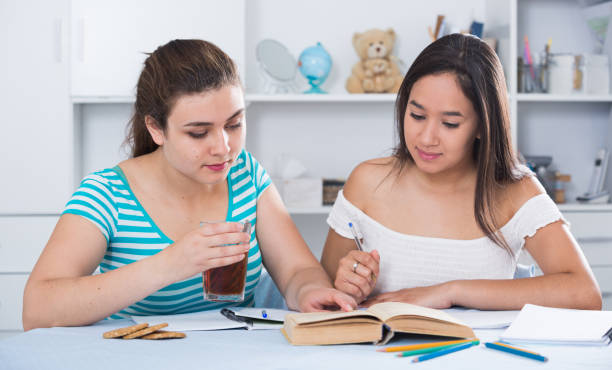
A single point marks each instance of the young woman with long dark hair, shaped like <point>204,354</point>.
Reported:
<point>443,219</point>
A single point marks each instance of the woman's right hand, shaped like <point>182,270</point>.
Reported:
<point>357,272</point>
<point>200,250</point>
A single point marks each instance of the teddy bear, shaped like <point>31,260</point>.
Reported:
<point>378,76</point>
<point>376,71</point>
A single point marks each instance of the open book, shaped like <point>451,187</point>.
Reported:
<point>376,324</point>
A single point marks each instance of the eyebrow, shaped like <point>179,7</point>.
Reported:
<point>200,124</point>
<point>446,113</point>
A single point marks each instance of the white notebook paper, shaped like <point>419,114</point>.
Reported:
<point>478,319</point>
<point>537,324</point>
<point>214,320</point>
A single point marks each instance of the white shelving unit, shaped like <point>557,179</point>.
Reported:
<point>578,98</point>
<point>567,207</point>
<point>118,99</point>
<point>316,98</point>
<point>570,128</point>
<point>323,210</point>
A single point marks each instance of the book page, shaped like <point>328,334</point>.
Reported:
<point>312,317</point>
<point>387,310</point>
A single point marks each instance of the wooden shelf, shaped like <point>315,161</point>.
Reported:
<point>585,98</point>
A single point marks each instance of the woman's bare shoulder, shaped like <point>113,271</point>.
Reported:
<point>365,178</point>
<point>518,193</point>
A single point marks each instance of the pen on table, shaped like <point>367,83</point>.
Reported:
<point>264,314</point>
<point>411,347</point>
<point>446,351</point>
<point>515,351</point>
<point>429,350</point>
<point>358,243</point>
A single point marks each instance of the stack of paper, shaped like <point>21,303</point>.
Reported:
<point>537,324</point>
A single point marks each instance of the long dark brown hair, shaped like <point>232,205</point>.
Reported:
<point>480,75</point>
<point>177,68</point>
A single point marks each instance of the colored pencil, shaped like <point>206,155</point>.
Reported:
<point>411,347</point>
<point>427,350</point>
<point>446,351</point>
<point>528,56</point>
<point>515,351</point>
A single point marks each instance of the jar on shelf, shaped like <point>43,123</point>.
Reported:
<point>596,74</point>
<point>565,73</point>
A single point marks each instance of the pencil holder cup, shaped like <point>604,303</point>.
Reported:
<point>532,78</point>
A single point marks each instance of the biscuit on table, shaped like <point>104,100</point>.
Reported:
<point>162,334</point>
<point>145,331</point>
<point>116,333</point>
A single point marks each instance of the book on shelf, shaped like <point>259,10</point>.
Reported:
<point>377,324</point>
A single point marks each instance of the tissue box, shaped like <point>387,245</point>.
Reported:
<point>302,192</point>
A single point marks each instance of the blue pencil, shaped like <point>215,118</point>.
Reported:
<point>515,351</point>
<point>446,351</point>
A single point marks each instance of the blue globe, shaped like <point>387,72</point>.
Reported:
<point>315,63</point>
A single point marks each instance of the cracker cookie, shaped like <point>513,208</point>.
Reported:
<point>162,334</point>
<point>145,331</point>
<point>116,333</point>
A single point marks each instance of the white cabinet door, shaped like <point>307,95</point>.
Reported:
<point>22,239</point>
<point>36,127</point>
<point>110,38</point>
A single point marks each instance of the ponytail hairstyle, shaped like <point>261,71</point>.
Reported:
<point>177,68</point>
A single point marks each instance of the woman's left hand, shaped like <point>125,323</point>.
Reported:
<point>435,296</point>
<point>325,299</point>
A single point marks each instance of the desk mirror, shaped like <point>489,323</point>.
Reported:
<point>277,67</point>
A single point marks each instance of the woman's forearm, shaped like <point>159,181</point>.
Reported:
<point>302,281</point>
<point>569,290</point>
<point>77,301</point>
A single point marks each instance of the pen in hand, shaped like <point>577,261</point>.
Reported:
<point>357,241</point>
<point>359,246</point>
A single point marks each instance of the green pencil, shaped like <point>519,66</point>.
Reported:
<point>429,350</point>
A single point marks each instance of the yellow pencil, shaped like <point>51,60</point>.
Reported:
<point>424,345</point>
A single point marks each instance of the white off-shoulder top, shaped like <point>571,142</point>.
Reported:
<point>408,261</point>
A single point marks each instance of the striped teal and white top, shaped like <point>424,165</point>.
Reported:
<point>105,198</point>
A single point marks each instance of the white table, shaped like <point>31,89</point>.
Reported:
<point>84,348</point>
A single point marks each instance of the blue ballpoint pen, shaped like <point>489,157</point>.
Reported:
<point>359,246</point>
<point>355,236</point>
